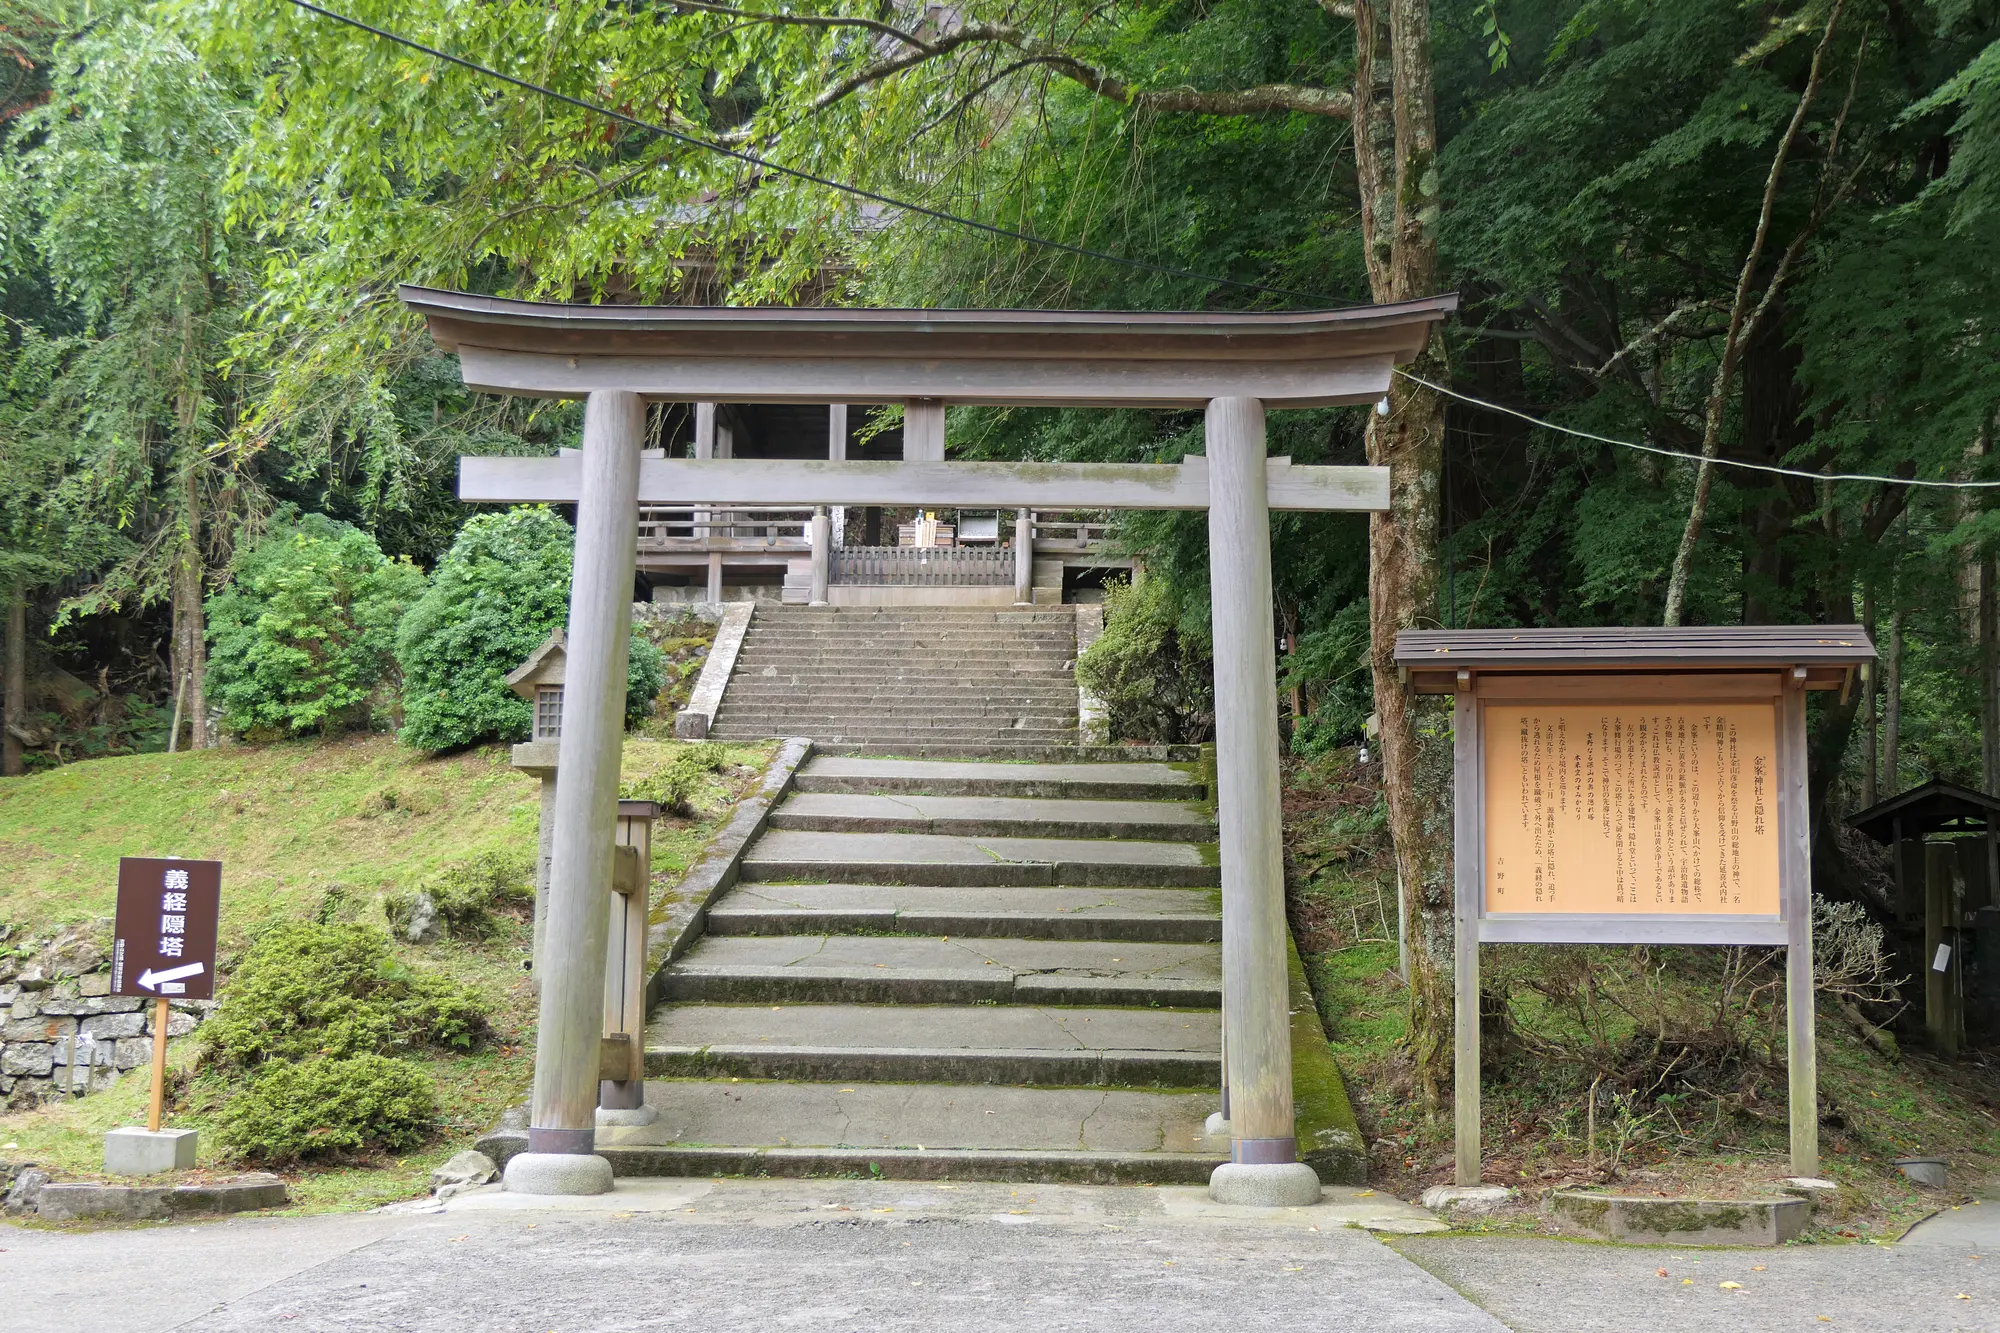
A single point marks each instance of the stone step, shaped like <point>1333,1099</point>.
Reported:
<point>861,724</point>
<point>970,743</point>
<point>890,969</point>
<point>973,710</point>
<point>931,633</point>
<point>1175,915</point>
<point>1023,1045</point>
<point>999,1164</point>
<point>995,816</point>
<point>903,691</point>
<point>924,858</point>
<point>1011,614</point>
<point>989,746</point>
<point>961,677</point>
<point>707,1127</point>
<point>1102,781</point>
<point>865,662</point>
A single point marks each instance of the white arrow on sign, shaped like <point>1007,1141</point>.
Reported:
<point>149,978</point>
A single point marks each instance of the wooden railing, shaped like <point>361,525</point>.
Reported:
<point>1071,531</point>
<point>735,529</point>
<point>923,566</point>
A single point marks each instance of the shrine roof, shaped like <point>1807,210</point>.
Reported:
<point>1936,806</point>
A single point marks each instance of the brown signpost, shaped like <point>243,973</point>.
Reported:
<point>1633,786</point>
<point>163,942</point>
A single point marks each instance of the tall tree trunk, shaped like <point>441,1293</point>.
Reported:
<point>1871,734</point>
<point>190,628</point>
<point>15,688</point>
<point>1989,677</point>
<point>1396,160</point>
<point>1892,705</point>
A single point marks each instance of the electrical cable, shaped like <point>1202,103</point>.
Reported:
<point>765,164</point>
<point>1696,458</point>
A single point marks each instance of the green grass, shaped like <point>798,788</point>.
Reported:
<point>287,821</point>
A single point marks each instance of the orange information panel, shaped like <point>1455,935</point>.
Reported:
<point>1660,809</point>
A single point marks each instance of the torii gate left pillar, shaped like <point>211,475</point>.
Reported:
<point>616,357</point>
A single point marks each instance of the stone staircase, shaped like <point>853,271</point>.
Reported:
<point>916,680</point>
<point>927,969</point>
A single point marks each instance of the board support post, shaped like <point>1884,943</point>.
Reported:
<point>158,1106</point>
<point>1468,879</point>
<point>1801,1021</point>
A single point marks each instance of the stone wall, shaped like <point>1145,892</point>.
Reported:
<point>62,1032</point>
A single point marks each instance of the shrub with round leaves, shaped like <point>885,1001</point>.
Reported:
<point>494,598</point>
<point>304,635</point>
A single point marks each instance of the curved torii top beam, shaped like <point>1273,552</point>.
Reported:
<point>1052,358</point>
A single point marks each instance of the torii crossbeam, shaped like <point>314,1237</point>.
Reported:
<point>1234,364</point>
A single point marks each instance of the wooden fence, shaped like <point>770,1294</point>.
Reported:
<point>923,566</point>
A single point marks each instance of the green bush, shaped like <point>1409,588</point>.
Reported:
<point>677,783</point>
<point>305,633</point>
<point>470,896</point>
<point>326,1107</point>
<point>493,600</point>
<point>333,989</point>
<point>1154,676</point>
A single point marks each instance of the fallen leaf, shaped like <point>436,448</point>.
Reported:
<point>1661,1271</point>
<point>1962,1296</point>
<point>1731,1286</point>
<point>1687,1282</point>
<point>1756,1268</point>
<point>456,1239</point>
<point>1299,1269</point>
<point>1365,1194</point>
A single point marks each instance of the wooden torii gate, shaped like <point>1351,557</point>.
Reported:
<point>1233,364</point>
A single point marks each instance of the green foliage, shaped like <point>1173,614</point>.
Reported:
<point>470,896</point>
<point>303,635</point>
<point>327,1107</point>
<point>677,783</point>
<point>307,989</point>
<point>494,598</point>
<point>1154,677</point>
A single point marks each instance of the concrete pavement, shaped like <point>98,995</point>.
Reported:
<point>1555,1286</point>
<point>749,1254</point>
<point>827,1254</point>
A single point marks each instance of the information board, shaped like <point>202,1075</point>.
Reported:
<point>1631,808</point>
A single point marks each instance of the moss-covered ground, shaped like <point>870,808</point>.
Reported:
<point>289,822</point>
<point>1702,1112</point>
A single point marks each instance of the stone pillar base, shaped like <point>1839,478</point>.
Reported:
<point>626,1117</point>
<point>1265,1184</point>
<point>557,1173</point>
<point>141,1152</point>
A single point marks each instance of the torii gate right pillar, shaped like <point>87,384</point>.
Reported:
<point>1256,1013</point>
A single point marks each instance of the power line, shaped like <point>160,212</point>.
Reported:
<point>765,164</point>
<point>1696,458</point>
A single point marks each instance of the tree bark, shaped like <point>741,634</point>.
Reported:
<point>1396,160</point>
<point>16,682</point>
<point>1892,706</point>
<point>1871,735</point>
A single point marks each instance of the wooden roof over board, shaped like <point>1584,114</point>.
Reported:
<point>1430,660</point>
<point>766,354</point>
